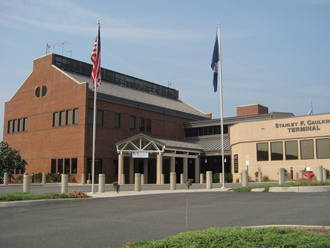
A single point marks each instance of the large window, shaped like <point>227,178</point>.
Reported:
<point>132,123</point>
<point>62,118</point>
<point>262,151</point>
<point>99,117</point>
<point>75,116</point>
<point>10,126</point>
<point>14,126</point>
<point>74,166</point>
<point>306,149</point>
<point>148,126</point>
<point>117,120</point>
<point>55,119</point>
<point>142,124</point>
<point>60,165</point>
<point>53,167</point>
<point>291,150</point>
<point>276,150</point>
<point>25,121</point>
<point>69,117</point>
<point>322,148</point>
<point>67,166</point>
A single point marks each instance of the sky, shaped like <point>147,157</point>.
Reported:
<point>275,53</point>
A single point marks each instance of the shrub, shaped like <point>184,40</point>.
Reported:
<point>228,177</point>
<point>256,174</point>
<point>19,179</point>
<point>265,179</point>
<point>38,177</point>
<point>216,177</point>
<point>328,173</point>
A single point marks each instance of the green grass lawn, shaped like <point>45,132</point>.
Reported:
<point>240,237</point>
<point>29,196</point>
<point>267,186</point>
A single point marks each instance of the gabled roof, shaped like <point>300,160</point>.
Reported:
<point>211,144</point>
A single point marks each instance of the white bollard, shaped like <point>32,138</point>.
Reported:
<point>137,182</point>
<point>245,178</point>
<point>162,179</point>
<point>181,179</point>
<point>173,181</point>
<point>101,183</point>
<point>142,179</point>
<point>64,183</point>
<point>319,173</point>
<point>240,177</point>
<point>26,183</point>
<point>259,176</point>
<point>301,174</point>
<point>201,178</point>
<point>281,175</point>
<point>43,181</point>
<point>220,178</point>
<point>83,179</point>
<point>5,178</point>
<point>209,183</point>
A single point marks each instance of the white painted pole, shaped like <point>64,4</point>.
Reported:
<point>221,108</point>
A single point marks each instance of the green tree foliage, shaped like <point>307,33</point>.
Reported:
<point>10,159</point>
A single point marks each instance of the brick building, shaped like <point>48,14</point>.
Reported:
<point>49,119</point>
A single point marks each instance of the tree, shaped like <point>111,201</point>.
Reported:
<point>10,160</point>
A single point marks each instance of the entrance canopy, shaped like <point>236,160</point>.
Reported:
<point>144,144</point>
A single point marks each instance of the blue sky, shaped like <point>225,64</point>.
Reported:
<point>275,53</point>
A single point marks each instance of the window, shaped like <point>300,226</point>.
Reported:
<point>262,151</point>
<point>276,150</point>
<point>75,116</point>
<point>14,126</point>
<point>142,124</point>
<point>60,165</point>
<point>10,128</point>
<point>25,123</point>
<point>20,125</point>
<point>68,117</point>
<point>291,150</point>
<point>53,167</point>
<point>55,119</point>
<point>132,123</point>
<point>306,149</point>
<point>62,118</point>
<point>322,148</point>
<point>148,126</point>
<point>117,120</point>
<point>67,166</point>
<point>99,117</point>
<point>74,166</point>
<point>44,90</point>
<point>37,92</point>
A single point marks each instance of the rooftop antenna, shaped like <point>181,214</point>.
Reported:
<point>62,44</point>
<point>70,51</point>
<point>311,112</point>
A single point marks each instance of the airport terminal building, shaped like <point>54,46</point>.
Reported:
<point>144,127</point>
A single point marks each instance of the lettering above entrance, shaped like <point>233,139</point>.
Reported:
<point>303,126</point>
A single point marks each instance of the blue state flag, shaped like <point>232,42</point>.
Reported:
<point>214,64</point>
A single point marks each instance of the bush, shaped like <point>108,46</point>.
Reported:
<point>228,177</point>
<point>38,177</point>
<point>19,179</point>
<point>265,179</point>
<point>216,177</point>
<point>328,173</point>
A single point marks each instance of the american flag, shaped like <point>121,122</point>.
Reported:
<point>96,59</point>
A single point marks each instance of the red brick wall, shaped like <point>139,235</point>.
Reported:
<point>43,142</point>
<point>255,109</point>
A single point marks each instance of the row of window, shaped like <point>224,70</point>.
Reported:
<point>201,131</point>
<point>17,125</point>
<point>66,165</point>
<point>306,148</point>
<point>65,117</point>
<point>144,124</point>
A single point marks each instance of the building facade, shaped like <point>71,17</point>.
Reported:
<point>49,119</point>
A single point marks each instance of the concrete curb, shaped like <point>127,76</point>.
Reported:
<point>291,226</point>
<point>301,189</point>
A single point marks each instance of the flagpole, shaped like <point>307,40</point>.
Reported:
<point>221,107</point>
<point>94,117</point>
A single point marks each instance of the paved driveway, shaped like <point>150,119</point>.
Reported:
<point>111,222</point>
